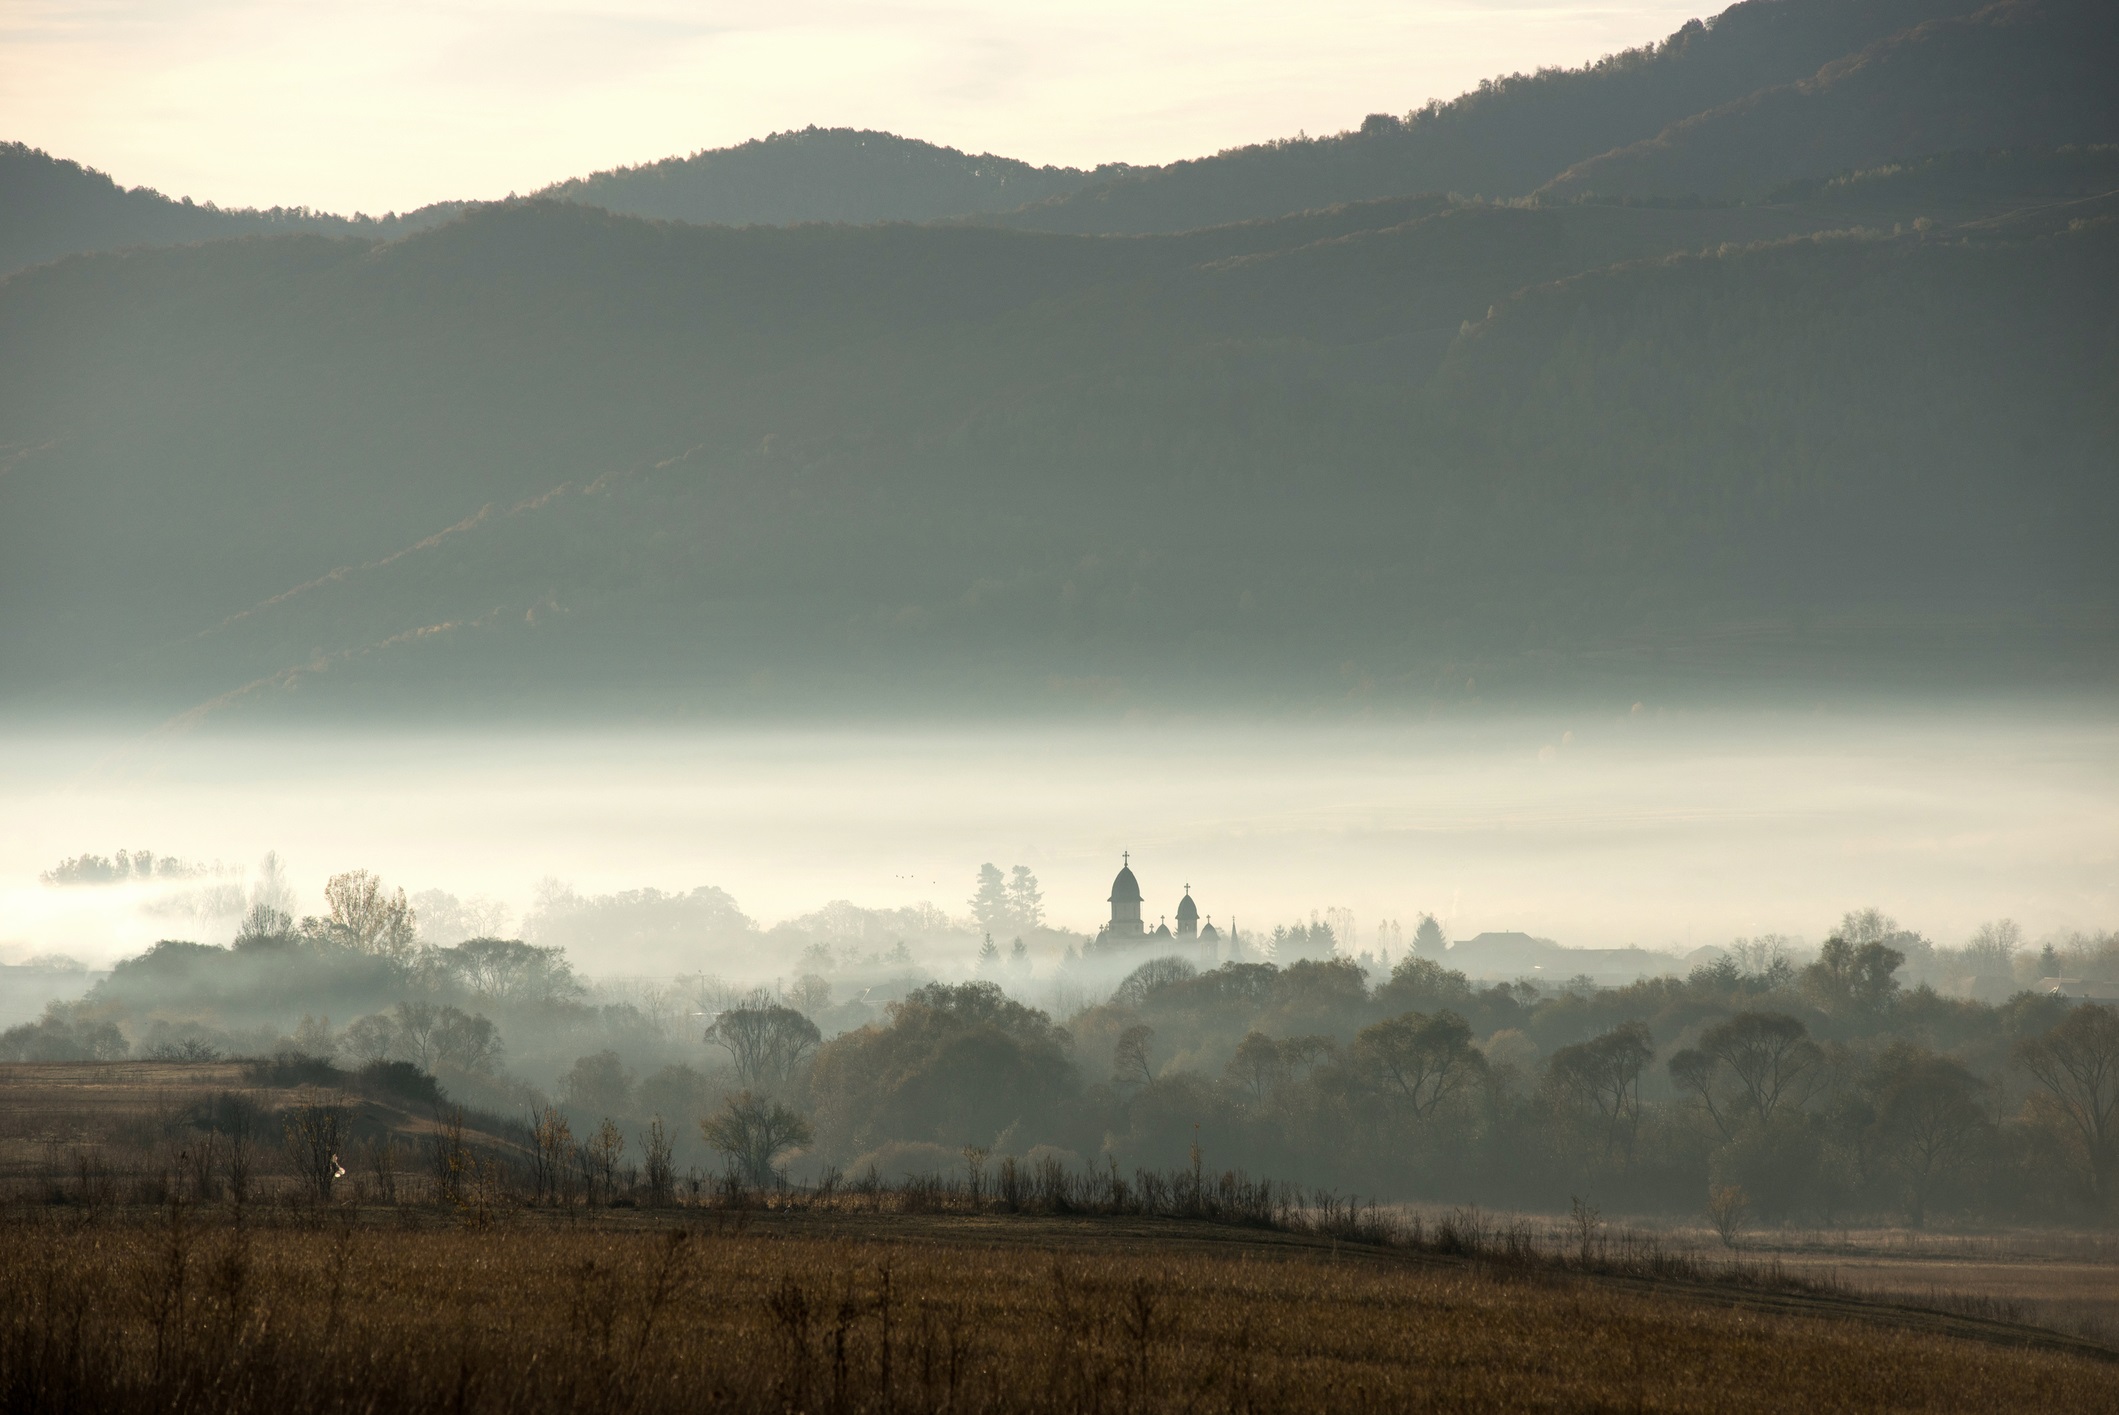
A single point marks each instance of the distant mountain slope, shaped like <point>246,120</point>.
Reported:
<point>2022,73</point>
<point>51,207</point>
<point>1507,137</point>
<point>821,174</point>
<point>546,454</point>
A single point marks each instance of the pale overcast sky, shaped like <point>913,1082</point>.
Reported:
<point>387,104</point>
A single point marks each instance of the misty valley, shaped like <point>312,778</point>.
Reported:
<point>1466,762</point>
<point>1856,1076</point>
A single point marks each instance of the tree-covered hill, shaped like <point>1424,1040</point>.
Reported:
<point>821,174</point>
<point>1831,423</point>
<point>2018,74</point>
<point>51,207</point>
<point>1509,136</point>
<point>545,455</point>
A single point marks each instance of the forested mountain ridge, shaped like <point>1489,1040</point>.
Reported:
<point>1509,136</point>
<point>546,455</point>
<point>1853,427</point>
<point>51,207</point>
<point>821,174</point>
<point>2018,74</point>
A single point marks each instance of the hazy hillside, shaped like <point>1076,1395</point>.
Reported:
<point>545,454</point>
<point>50,207</point>
<point>2021,73</point>
<point>1509,136</point>
<point>1857,427</point>
<point>821,174</point>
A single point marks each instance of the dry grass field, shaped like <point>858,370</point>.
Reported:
<point>2067,1280</point>
<point>841,1312</point>
<point>135,1274</point>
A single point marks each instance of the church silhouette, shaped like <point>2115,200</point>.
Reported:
<point>1127,931</point>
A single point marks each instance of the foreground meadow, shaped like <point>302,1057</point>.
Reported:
<point>402,1312</point>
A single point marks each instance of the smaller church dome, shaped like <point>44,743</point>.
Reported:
<point>1187,911</point>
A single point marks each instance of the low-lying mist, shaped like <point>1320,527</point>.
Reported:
<point>802,954</point>
<point>1627,828</point>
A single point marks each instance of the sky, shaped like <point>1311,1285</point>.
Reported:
<point>386,105</point>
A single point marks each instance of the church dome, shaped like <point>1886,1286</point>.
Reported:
<point>1125,889</point>
<point>1187,911</point>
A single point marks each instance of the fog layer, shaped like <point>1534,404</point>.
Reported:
<point>1599,830</point>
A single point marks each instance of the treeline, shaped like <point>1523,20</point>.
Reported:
<point>126,865</point>
<point>1825,1091</point>
<point>1512,133</point>
<point>822,174</point>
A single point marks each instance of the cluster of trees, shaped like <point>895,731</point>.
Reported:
<point>1820,1092</point>
<point>821,174</point>
<point>441,1009</point>
<point>1819,1087</point>
<point>127,865</point>
<point>1010,904</point>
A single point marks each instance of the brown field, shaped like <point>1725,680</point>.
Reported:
<point>844,1312</point>
<point>2065,1280</point>
<point>128,1282</point>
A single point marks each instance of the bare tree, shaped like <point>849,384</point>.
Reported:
<point>465,1040</point>
<point>1600,1081</point>
<point>1694,1070</point>
<point>656,1163</point>
<point>753,1131</point>
<point>315,1135</point>
<point>1257,1065</point>
<point>606,1148</point>
<point>1421,1060</point>
<point>364,917</point>
<point>2077,1066</point>
<point>1768,1054</point>
<point>768,1042</point>
<point>1853,978</point>
<point>510,970</point>
<point>1129,1060</point>
<point>370,1039</point>
<point>551,1145</point>
<point>1929,1121</point>
<point>1727,1208</point>
<point>417,1023</point>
